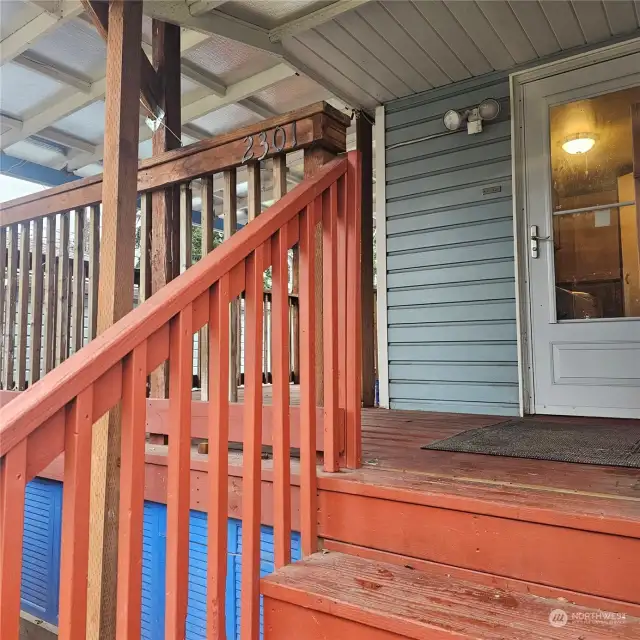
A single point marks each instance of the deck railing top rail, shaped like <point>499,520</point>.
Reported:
<point>31,409</point>
<point>319,123</point>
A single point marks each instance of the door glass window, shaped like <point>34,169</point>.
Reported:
<point>596,217</point>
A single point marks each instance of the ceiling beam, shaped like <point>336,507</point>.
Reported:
<point>33,28</point>
<point>65,103</point>
<point>262,111</point>
<point>9,121</point>
<point>203,78</point>
<point>192,109</point>
<point>198,7</point>
<point>214,22</point>
<point>50,70</point>
<point>313,19</point>
<point>236,92</point>
<point>67,140</point>
<point>150,85</point>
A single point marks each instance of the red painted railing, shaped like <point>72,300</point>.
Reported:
<point>56,414</point>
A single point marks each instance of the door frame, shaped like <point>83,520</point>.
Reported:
<point>517,81</point>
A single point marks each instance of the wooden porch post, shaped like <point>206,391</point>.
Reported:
<point>314,158</point>
<point>115,297</point>
<point>364,144</point>
<point>165,234</point>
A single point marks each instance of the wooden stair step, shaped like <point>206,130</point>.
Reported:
<point>336,595</point>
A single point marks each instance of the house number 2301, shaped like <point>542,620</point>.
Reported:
<point>278,143</point>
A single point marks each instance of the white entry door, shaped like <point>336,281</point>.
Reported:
<point>581,192</point>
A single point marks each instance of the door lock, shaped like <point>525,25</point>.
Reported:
<point>534,240</point>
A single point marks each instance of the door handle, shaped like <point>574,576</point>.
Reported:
<point>534,240</point>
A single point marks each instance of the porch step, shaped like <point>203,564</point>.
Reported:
<point>340,596</point>
<point>576,542</point>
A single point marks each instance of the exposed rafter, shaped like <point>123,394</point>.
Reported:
<point>67,140</point>
<point>11,122</point>
<point>52,15</point>
<point>149,81</point>
<point>236,92</point>
<point>198,7</point>
<point>257,108</point>
<point>313,19</point>
<point>61,105</point>
<point>214,22</point>
<point>193,109</point>
<point>50,70</point>
<point>202,77</point>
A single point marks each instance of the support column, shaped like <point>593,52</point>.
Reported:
<point>165,235</point>
<point>364,144</point>
<point>115,298</point>
<point>314,159</point>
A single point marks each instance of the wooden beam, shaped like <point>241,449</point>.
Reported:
<point>316,124</point>
<point>115,297</point>
<point>33,28</point>
<point>165,264</point>
<point>230,222</point>
<point>98,11</point>
<point>313,19</point>
<point>45,67</point>
<point>364,144</point>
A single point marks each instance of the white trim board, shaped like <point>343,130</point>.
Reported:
<point>517,81</point>
<point>381,258</point>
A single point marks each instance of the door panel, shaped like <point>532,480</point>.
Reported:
<point>582,166</point>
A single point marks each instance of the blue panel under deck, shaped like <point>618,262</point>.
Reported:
<point>41,550</point>
<point>41,570</point>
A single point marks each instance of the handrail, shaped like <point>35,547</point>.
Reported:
<point>22,416</point>
<point>58,412</point>
<point>313,124</point>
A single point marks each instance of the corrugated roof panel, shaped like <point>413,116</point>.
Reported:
<point>15,14</point>
<point>293,93</point>
<point>226,119</point>
<point>40,153</point>
<point>88,123</point>
<point>229,61</point>
<point>22,89</point>
<point>77,46</point>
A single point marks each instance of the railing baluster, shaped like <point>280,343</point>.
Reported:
<point>144,287</point>
<point>10,310</point>
<point>13,476</point>
<point>23,303</point>
<point>77,338</point>
<point>251,478</point>
<point>308,523</point>
<point>354,328</point>
<point>49,313</point>
<point>3,293</point>
<point>180,378</point>
<point>207,220</point>
<point>185,227</point>
<point>342,298</point>
<point>218,458</point>
<point>254,191</point>
<point>62,304</point>
<point>94,269</point>
<point>36,302</point>
<point>230,222</point>
<point>280,374</point>
<point>330,322</point>
<point>76,496</point>
<point>132,473</point>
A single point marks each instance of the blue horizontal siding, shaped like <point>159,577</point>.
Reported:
<point>41,570</point>
<point>451,315</point>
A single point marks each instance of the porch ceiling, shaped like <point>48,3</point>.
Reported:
<point>244,60</point>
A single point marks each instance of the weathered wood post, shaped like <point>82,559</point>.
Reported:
<point>123,28</point>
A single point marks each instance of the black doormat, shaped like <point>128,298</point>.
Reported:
<point>617,446</point>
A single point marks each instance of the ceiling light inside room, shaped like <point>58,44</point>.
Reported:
<point>579,143</point>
